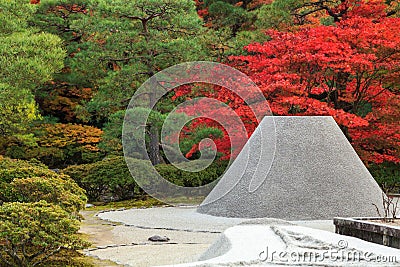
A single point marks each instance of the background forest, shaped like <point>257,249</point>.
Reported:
<point>70,67</point>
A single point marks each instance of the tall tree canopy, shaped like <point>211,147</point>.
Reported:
<point>28,59</point>
<point>132,41</point>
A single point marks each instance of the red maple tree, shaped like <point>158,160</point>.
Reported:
<point>349,70</point>
<point>236,111</point>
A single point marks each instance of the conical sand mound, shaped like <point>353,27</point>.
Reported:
<point>314,173</point>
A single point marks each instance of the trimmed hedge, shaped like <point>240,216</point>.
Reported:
<point>31,232</point>
<point>23,181</point>
<point>110,178</point>
<point>58,145</point>
<point>387,175</point>
<point>107,178</point>
<point>39,213</point>
<point>191,179</point>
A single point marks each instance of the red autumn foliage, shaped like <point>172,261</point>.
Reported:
<point>193,150</point>
<point>344,71</point>
<point>201,10</point>
<point>349,70</point>
<point>236,111</point>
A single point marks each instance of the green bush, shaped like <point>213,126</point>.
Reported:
<point>39,213</point>
<point>191,179</point>
<point>63,192</point>
<point>32,232</point>
<point>22,181</point>
<point>387,175</point>
<point>58,145</point>
<point>95,186</point>
<point>109,177</point>
<point>11,169</point>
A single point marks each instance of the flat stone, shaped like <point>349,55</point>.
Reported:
<point>157,238</point>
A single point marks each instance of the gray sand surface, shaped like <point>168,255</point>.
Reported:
<point>121,236</point>
<point>129,235</point>
<point>172,218</point>
<point>151,255</point>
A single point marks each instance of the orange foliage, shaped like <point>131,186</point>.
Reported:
<point>63,135</point>
<point>62,100</point>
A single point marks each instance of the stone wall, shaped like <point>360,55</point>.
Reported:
<point>369,229</point>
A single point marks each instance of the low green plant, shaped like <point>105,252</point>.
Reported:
<point>30,233</point>
<point>58,145</point>
<point>39,213</point>
<point>179,176</point>
<point>387,175</point>
<point>109,177</point>
<point>23,181</point>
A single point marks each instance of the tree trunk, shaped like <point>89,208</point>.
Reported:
<point>154,148</point>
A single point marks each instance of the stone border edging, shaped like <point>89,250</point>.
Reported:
<point>376,232</point>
